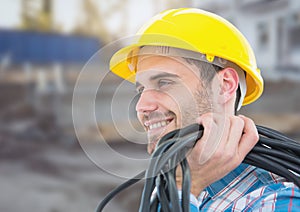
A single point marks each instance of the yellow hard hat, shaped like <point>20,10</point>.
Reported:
<point>199,31</point>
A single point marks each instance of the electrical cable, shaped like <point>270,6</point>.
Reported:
<point>274,152</point>
<point>186,179</point>
<point>117,190</point>
<point>181,145</point>
<point>171,185</point>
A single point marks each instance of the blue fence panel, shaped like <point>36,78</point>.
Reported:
<point>36,47</point>
<point>4,43</point>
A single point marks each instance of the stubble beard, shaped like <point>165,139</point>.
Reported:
<point>201,104</point>
<point>196,107</point>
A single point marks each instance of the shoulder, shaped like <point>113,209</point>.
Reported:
<point>277,196</point>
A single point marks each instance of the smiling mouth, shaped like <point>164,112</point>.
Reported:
<point>156,129</point>
<point>157,124</point>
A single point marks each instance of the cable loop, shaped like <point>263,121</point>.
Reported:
<point>274,152</point>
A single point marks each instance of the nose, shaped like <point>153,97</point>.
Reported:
<point>147,102</point>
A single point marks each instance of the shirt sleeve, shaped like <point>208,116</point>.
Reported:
<point>286,198</point>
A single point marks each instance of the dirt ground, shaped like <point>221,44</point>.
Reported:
<point>44,177</point>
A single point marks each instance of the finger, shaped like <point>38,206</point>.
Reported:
<point>209,125</point>
<point>235,133</point>
<point>249,138</point>
<point>214,138</point>
<point>230,152</point>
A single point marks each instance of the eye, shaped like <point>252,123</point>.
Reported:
<point>164,82</point>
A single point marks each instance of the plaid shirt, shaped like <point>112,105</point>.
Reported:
<point>248,188</point>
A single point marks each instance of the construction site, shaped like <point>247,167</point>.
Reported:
<point>54,134</point>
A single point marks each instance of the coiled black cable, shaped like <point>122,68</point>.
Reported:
<point>274,152</point>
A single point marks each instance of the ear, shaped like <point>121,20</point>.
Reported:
<point>229,82</point>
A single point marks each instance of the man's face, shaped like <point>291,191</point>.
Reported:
<point>171,95</point>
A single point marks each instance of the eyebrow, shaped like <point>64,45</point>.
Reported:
<point>162,75</point>
<point>158,76</point>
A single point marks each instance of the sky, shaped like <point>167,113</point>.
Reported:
<point>9,13</point>
<point>67,13</point>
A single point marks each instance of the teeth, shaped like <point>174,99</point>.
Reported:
<point>158,124</point>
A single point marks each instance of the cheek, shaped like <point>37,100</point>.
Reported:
<point>170,103</point>
<point>179,102</point>
<point>183,96</point>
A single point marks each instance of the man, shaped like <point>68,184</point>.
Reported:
<point>191,66</point>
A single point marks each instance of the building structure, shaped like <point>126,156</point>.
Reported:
<point>272,28</point>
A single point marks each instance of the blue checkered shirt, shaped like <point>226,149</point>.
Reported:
<point>248,188</point>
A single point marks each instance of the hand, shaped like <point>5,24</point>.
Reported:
<point>225,143</point>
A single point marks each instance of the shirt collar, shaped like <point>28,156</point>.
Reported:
<point>229,180</point>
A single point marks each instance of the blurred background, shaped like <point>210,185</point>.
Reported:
<point>45,44</point>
